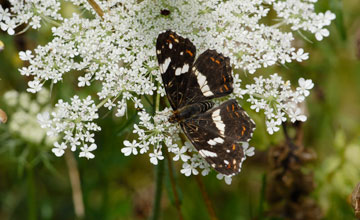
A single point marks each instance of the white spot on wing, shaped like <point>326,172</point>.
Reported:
<point>212,142</point>
<point>170,46</point>
<point>201,79</point>
<point>218,122</point>
<point>181,53</point>
<point>206,153</point>
<point>219,140</point>
<point>165,65</point>
<point>185,68</point>
<point>215,141</point>
<point>181,70</point>
<point>178,71</point>
<point>158,51</point>
<point>208,93</point>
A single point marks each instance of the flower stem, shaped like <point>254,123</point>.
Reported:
<point>158,190</point>
<point>157,102</point>
<point>96,7</point>
<point>102,102</point>
<point>206,198</point>
<point>173,185</point>
<point>159,172</point>
<point>75,184</point>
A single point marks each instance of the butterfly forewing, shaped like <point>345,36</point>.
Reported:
<point>210,78</point>
<point>218,135</point>
<point>176,56</point>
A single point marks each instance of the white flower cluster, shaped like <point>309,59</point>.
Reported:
<point>300,14</point>
<point>30,12</point>
<point>116,55</point>
<point>74,121</point>
<point>154,131</point>
<point>277,99</point>
<point>22,112</point>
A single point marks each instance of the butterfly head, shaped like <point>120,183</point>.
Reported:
<point>174,118</point>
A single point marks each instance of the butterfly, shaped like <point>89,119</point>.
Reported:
<point>220,134</point>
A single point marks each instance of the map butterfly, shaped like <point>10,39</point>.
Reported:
<point>220,134</point>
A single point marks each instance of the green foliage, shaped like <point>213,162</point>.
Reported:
<point>34,184</point>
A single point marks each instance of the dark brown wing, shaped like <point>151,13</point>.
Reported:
<point>219,135</point>
<point>176,56</point>
<point>210,78</point>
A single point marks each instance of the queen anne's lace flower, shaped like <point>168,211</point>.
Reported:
<point>277,99</point>
<point>116,52</point>
<point>30,12</point>
<point>59,149</point>
<point>75,122</point>
<point>86,151</point>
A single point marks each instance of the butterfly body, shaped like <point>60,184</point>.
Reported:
<point>188,111</point>
<point>219,133</point>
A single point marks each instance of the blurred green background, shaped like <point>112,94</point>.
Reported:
<point>34,184</point>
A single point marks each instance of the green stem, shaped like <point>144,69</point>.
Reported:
<point>157,105</point>
<point>102,102</point>
<point>31,197</point>
<point>159,172</point>
<point>159,169</point>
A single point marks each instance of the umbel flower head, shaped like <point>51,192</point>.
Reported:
<point>117,52</point>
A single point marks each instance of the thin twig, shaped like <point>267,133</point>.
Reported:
<point>96,7</point>
<point>75,184</point>
<point>173,185</point>
<point>206,198</point>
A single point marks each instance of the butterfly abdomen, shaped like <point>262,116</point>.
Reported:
<point>188,111</point>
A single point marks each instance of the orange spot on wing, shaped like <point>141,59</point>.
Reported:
<point>227,108</point>
<point>224,78</point>
<point>217,61</point>
<point>173,37</point>
<point>243,130</point>
<point>189,52</point>
<point>226,88</point>
<point>233,107</point>
<point>212,58</point>
<point>221,89</point>
<point>233,147</point>
<point>228,166</point>
<point>237,114</point>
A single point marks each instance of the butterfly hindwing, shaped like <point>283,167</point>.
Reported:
<point>210,78</point>
<point>240,125</point>
<point>176,56</point>
<point>219,135</point>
